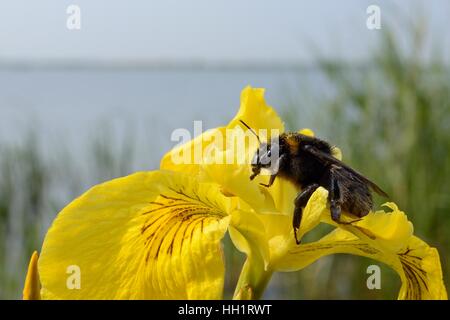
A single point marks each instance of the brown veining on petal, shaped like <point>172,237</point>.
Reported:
<point>170,216</point>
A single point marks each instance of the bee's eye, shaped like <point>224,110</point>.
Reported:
<point>269,153</point>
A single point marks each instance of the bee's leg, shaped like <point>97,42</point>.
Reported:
<point>271,181</point>
<point>274,173</point>
<point>300,202</point>
<point>255,173</point>
<point>336,199</point>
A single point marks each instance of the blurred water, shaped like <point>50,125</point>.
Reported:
<point>67,106</point>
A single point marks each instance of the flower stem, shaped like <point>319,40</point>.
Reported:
<point>253,279</point>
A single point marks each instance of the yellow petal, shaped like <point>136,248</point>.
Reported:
<point>234,179</point>
<point>314,210</point>
<point>187,157</point>
<point>150,235</point>
<point>307,132</point>
<point>251,228</point>
<point>418,265</point>
<point>32,287</point>
<point>422,273</point>
<point>279,227</point>
<point>233,171</point>
<point>255,112</point>
<point>390,231</point>
<point>283,193</point>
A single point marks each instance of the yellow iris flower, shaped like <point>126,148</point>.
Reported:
<point>157,235</point>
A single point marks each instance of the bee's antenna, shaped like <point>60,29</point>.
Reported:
<point>253,131</point>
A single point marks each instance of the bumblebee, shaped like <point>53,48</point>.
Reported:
<point>308,162</point>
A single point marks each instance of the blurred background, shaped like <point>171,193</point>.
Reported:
<point>78,107</point>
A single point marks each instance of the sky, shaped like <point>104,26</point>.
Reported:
<point>221,30</point>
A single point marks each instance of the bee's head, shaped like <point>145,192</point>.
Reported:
<point>266,157</point>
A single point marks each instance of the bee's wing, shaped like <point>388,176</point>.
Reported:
<point>324,157</point>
